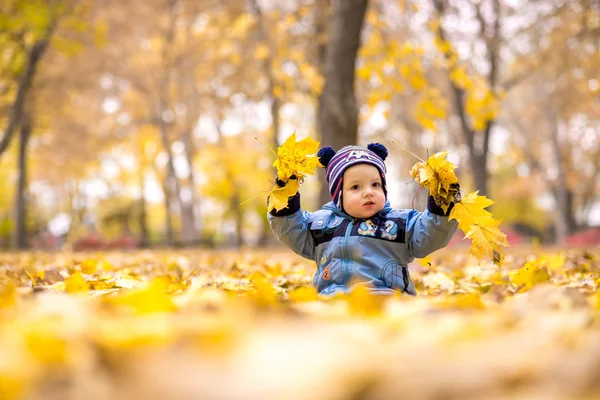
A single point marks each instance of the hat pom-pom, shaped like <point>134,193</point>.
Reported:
<point>325,155</point>
<point>378,149</point>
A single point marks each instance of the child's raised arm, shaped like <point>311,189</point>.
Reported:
<point>428,231</point>
<point>290,225</point>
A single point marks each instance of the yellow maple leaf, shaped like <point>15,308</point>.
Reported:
<point>144,300</point>
<point>486,239</point>
<point>296,158</point>
<point>89,266</point>
<point>76,283</point>
<point>437,175</point>
<point>278,199</point>
<point>293,159</point>
<point>528,276</point>
<point>470,210</point>
<point>264,294</point>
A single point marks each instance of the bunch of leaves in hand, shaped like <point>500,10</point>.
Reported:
<point>437,174</point>
<point>294,161</point>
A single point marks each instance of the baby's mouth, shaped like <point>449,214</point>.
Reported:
<point>369,203</point>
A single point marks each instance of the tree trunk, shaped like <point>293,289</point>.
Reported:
<point>480,174</point>
<point>238,215</point>
<point>33,58</point>
<point>169,230</point>
<point>188,208</point>
<point>21,241</point>
<point>564,221</point>
<point>490,34</point>
<point>338,111</point>
<point>143,215</point>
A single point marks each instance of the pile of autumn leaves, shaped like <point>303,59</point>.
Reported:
<point>247,325</point>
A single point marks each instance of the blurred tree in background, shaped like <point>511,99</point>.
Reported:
<point>133,123</point>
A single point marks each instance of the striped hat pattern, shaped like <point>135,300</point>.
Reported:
<point>337,162</point>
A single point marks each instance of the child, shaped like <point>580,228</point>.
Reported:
<point>357,239</point>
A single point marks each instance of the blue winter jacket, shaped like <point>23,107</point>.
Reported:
<point>374,252</point>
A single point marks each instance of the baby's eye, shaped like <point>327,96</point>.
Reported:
<point>376,184</point>
<point>354,187</point>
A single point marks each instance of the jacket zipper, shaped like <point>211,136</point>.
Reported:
<point>346,254</point>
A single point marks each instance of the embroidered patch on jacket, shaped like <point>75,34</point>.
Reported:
<point>367,228</point>
<point>326,274</point>
<point>390,230</point>
<point>324,259</point>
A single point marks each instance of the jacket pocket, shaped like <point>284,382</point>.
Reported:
<point>395,276</point>
<point>328,274</point>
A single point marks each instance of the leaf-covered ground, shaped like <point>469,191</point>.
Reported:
<point>228,325</point>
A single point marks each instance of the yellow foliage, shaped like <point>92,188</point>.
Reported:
<point>296,158</point>
<point>76,283</point>
<point>437,175</point>
<point>463,301</point>
<point>293,159</point>
<point>18,368</point>
<point>364,72</point>
<point>313,76</point>
<point>241,25</point>
<point>261,52</point>
<point>442,45</point>
<point>459,76</point>
<point>89,266</point>
<point>8,294</point>
<point>529,275</point>
<point>470,210</point>
<point>46,342</point>
<point>265,294</point>
<point>431,106</point>
<point>277,91</point>
<point>278,198</point>
<point>363,302</point>
<point>303,293</point>
<point>481,105</point>
<point>486,240</point>
<point>229,180</point>
<point>257,307</point>
<point>148,299</point>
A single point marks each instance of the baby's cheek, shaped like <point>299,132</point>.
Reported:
<point>348,200</point>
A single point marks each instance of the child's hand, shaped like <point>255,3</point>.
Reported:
<point>281,183</point>
<point>455,192</point>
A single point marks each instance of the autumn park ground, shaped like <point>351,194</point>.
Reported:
<point>196,324</point>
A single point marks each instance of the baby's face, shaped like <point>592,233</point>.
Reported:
<point>362,191</point>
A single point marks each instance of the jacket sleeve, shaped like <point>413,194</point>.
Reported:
<point>290,225</point>
<point>429,231</point>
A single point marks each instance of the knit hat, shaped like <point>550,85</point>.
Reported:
<point>337,163</point>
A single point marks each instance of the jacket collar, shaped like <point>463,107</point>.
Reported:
<point>380,215</point>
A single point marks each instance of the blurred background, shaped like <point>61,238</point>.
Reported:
<point>128,124</point>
